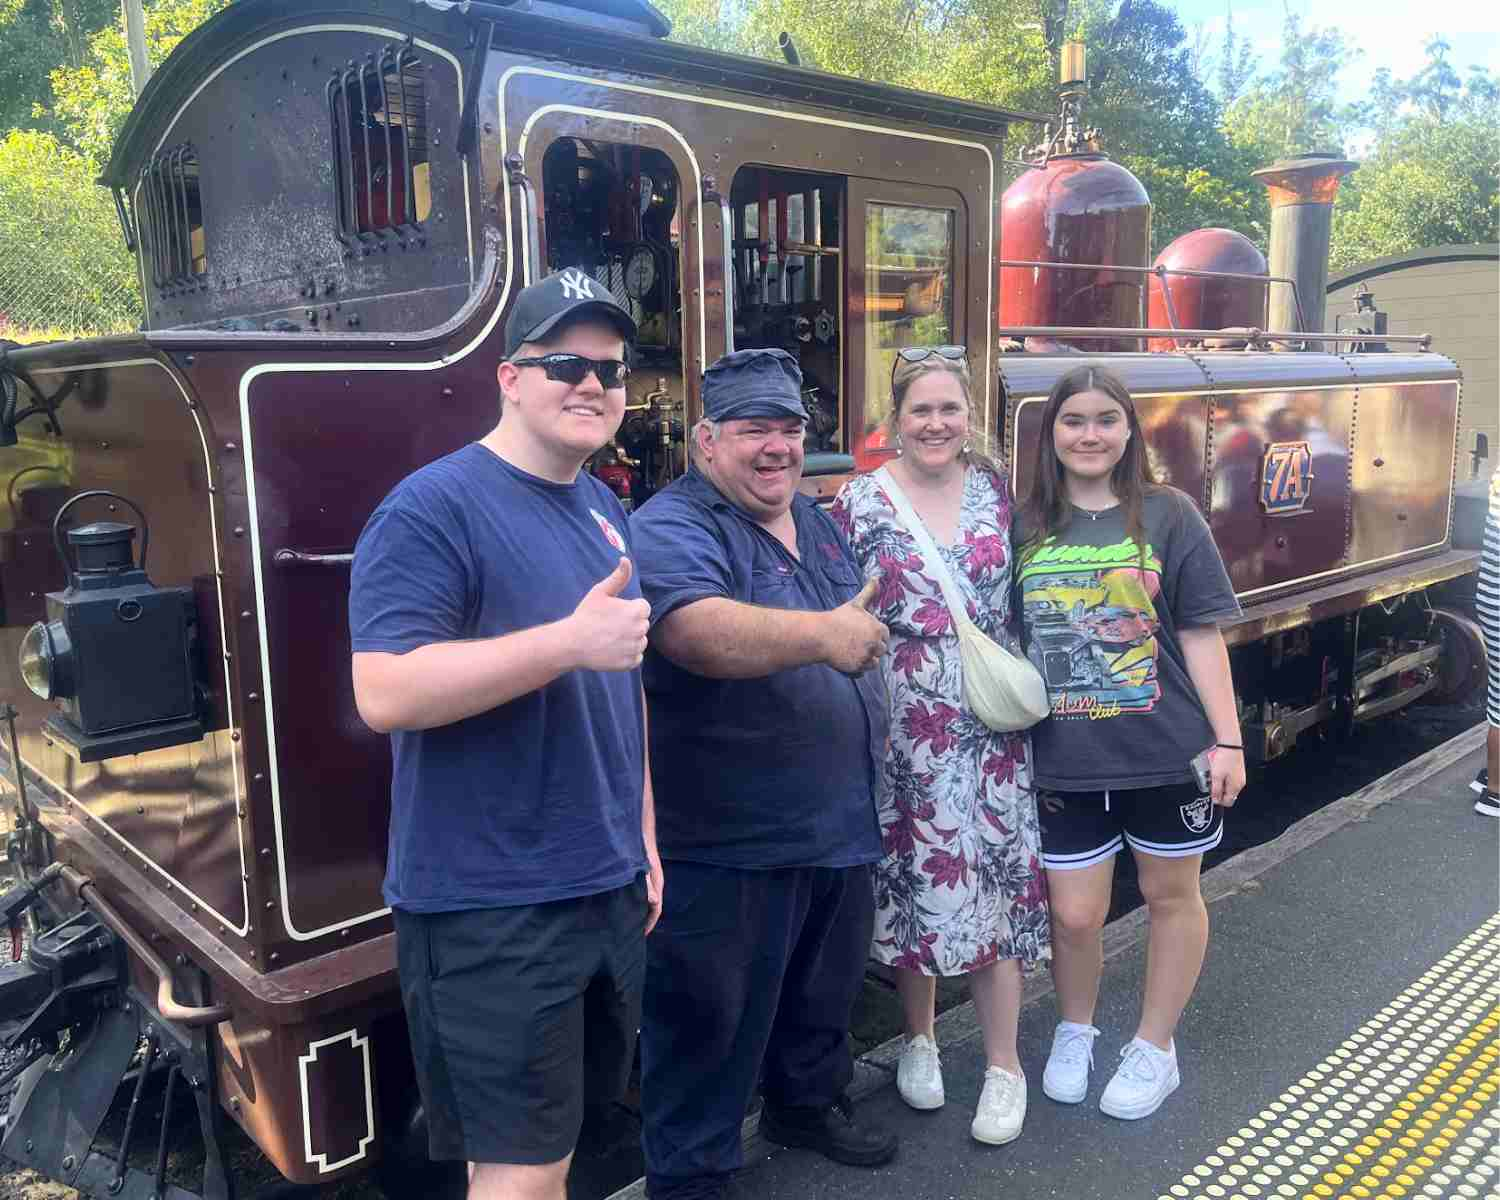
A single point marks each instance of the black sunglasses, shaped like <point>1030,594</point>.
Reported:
<point>916,354</point>
<point>573,369</point>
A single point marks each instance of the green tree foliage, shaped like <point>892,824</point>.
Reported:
<point>63,264</point>
<point>37,35</point>
<point>91,100</point>
<point>1294,109</point>
<point>1430,179</point>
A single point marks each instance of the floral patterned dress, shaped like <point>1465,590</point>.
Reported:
<point>960,884</point>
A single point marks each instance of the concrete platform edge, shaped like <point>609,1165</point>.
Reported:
<point>876,1068</point>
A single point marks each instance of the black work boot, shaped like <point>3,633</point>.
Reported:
<point>833,1132</point>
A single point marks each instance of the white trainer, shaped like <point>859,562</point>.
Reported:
<point>1145,1077</point>
<point>1002,1107</point>
<point>919,1077</point>
<point>1066,1078</point>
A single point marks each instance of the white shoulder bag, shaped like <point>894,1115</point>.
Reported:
<point>1002,689</point>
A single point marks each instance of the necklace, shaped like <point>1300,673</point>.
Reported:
<point>1093,514</point>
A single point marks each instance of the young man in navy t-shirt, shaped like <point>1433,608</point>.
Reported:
<point>498,633</point>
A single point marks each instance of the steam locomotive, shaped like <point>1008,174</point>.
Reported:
<point>332,204</point>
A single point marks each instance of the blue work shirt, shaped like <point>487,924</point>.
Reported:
<point>757,773</point>
<point>540,798</point>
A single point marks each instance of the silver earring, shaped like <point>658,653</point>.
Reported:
<point>900,449</point>
<point>968,446</point>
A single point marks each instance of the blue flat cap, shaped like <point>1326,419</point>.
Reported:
<point>753,383</point>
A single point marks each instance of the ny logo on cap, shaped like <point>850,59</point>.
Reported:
<point>577,286</point>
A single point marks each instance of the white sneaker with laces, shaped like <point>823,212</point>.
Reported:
<point>1066,1078</point>
<point>919,1077</point>
<point>1145,1077</point>
<point>1002,1107</point>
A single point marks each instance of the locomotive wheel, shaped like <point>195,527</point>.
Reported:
<point>1461,667</point>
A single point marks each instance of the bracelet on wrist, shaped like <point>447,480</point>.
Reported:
<point>1230,746</point>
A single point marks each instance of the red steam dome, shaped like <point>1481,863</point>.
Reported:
<point>1198,303</point>
<point>1078,208</point>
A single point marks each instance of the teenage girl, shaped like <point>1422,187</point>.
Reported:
<point>1122,590</point>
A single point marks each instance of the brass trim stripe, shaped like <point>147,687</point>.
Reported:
<point>1403,1108</point>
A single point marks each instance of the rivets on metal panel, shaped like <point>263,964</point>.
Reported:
<point>239,531</point>
<point>258,777</point>
<point>265,852</point>
<point>1380,462</point>
<point>235,736</point>
<point>270,904</point>
<point>447,391</point>
<point>273,956</point>
<point>253,696</point>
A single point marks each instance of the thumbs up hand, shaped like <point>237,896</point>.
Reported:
<point>610,633</point>
<point>854,641</point>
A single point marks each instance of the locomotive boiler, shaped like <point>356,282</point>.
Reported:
<point>332,205</point>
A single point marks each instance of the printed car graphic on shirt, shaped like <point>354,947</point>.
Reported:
<point>1093,627</point>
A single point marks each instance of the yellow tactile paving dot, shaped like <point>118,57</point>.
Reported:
<point>1405,1107</point>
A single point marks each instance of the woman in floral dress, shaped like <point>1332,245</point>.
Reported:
<point>960,888</point>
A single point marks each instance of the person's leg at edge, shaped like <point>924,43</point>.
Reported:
<point>515,1181</point>
<point>996,989</point>
<point>918,993</point>
<point>1176,943</point>
<point>1079,903</point>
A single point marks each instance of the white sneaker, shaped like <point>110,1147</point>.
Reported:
<point>919,1077</point>
<point>1002,1107</point>
<point>1145,1077</point>
<point>1066,1078</point>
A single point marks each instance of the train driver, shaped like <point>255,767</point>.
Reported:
<point>767,730</point>
<point>498,634</point>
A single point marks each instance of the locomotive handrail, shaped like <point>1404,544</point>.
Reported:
<point>531,228</point>
<point>1160,270</point>
<point>166,1005</point>
<point>287,557</point>
<point>712,194</point>
<point>1423,340</point>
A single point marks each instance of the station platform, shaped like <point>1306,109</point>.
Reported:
<point>1344,1040</point>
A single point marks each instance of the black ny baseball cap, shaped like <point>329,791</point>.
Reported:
<point>563,296</point>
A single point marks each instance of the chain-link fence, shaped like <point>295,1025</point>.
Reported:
<point>64,269</point>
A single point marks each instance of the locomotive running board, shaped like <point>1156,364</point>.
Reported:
<point>1335,599</point>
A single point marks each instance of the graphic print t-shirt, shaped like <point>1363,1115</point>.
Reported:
<point>1101,624</point>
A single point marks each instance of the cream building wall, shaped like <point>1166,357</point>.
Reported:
<point>1453,293</point>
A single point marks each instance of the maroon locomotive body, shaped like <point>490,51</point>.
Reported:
<point>333,204</point>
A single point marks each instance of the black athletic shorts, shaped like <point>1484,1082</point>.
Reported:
<point>517,1014</point>
<point>1080,829</point>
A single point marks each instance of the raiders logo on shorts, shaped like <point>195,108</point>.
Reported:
<point>1198,814</point>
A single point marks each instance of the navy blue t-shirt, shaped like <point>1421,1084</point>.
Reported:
<point>756,773</point>
<point>540,798</point>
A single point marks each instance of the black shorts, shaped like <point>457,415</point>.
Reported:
<point>1080,829</point>
<point>517,1014</point>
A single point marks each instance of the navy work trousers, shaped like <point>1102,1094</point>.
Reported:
<point>746,970</point>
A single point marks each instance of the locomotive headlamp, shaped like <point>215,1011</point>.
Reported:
<point>47,660</point>
<point>116,652</point>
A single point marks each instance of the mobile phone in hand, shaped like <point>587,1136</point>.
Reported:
<point>1203,771</point>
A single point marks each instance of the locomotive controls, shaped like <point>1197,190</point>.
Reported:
<point>116,651</point>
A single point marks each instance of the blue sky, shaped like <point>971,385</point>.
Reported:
<point>1390,32</point>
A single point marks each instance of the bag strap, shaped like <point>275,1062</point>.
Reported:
<point>914,526</point>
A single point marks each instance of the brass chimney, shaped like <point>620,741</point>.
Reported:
<point>1302,192</point>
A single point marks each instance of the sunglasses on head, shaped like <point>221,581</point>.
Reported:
<point>916,354</point>
<point>572,369</point>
